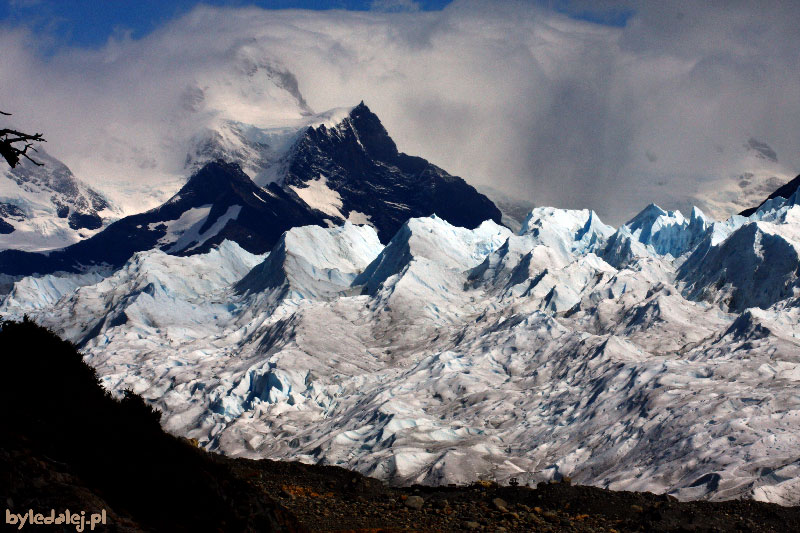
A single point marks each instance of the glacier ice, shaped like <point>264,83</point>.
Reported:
<point>663,355</point>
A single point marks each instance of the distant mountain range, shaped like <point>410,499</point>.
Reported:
<point>347,170</point>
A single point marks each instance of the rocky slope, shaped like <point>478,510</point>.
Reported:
<point>77,448</point>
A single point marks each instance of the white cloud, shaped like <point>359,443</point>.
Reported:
<point>504,94</point>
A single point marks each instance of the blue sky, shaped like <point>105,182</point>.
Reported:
<point>89,23</point>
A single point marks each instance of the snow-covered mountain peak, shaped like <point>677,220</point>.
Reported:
<point>46,207</point>
<point>139,167</point>
<point>264,152</point>
<point>344,164</point>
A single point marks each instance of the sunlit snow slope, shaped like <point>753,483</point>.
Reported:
<point>47,207</point>
<point>663,355</point>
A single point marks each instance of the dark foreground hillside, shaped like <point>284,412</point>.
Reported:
<point>66,444</point>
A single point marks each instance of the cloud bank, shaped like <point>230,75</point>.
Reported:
<point>510,95</point>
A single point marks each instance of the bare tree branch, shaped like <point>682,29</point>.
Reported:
<point>11,153</point>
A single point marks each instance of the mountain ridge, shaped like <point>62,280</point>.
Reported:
<point>212,193</point>
<point>348,171</point>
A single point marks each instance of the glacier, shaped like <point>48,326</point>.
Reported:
<point>663,355</point>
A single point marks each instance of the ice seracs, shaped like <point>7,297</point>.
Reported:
<point>314,262</point>
<point>568,231</point>
<point>630,358</point>
<point>666,232</point>
<point>755,266</point>
<point>433,240</point>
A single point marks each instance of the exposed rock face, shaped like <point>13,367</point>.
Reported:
<point>359,163</point>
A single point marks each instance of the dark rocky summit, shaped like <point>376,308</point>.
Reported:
<point>358,160</point>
